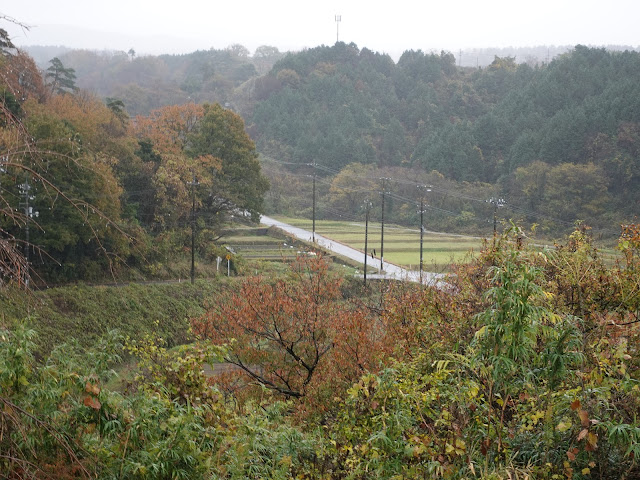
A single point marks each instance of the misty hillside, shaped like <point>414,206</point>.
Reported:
<point>145,83</point>
<point>562,138</point>
<point>212,75</point>
<point>558,139</point>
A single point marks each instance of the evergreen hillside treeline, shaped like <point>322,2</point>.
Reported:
<point>557,140</point>
<point>561,138</point>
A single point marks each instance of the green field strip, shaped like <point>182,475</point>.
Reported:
<point>256,248</point>
<point>242,238</point>
<point>401,244</point>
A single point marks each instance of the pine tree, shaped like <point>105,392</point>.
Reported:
<point>62,79</point>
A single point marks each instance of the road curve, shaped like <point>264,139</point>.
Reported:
<point>390,270</point>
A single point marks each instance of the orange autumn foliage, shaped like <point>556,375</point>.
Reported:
<point>20,75</point>
<point>297,336</point>
<point>168,127</point>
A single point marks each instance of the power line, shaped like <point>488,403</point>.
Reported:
<point>463,196</point>
<point>360,190</point>
<point>273,160</point>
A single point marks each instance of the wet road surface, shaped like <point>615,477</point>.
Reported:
<point>389,269</point>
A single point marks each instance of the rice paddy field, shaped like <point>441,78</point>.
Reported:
<point>258,244</point>
<point>401,244</point>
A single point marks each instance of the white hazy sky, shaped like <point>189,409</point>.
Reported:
<point>162,26</point>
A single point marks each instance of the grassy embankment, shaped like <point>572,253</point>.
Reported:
<point>164,309</point>
<point>84,313</point>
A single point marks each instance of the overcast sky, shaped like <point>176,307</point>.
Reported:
<point>162,26</point>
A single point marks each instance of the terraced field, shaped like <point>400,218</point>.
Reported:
<point>258,243</point>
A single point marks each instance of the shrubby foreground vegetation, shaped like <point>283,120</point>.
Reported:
<point>525,365</point>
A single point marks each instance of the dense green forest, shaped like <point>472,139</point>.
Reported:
<point>558,140</point>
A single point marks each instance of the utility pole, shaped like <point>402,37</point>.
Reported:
<point>382,228</point>
<point>26,196</point>
<point>29,213</point>
<point>497,203</point>
<point>313,202</point>
<point>424,189</point>
<point>338,20</point>
<point>367,207</point>
<point>421,234</point>
<point>313,234</point>
<point>193,185</point>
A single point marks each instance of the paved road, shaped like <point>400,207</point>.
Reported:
<point>390,270</point>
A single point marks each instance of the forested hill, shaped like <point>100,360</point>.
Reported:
<point>339,105</point>
<point>559,138</point>
<point>146,82</point>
